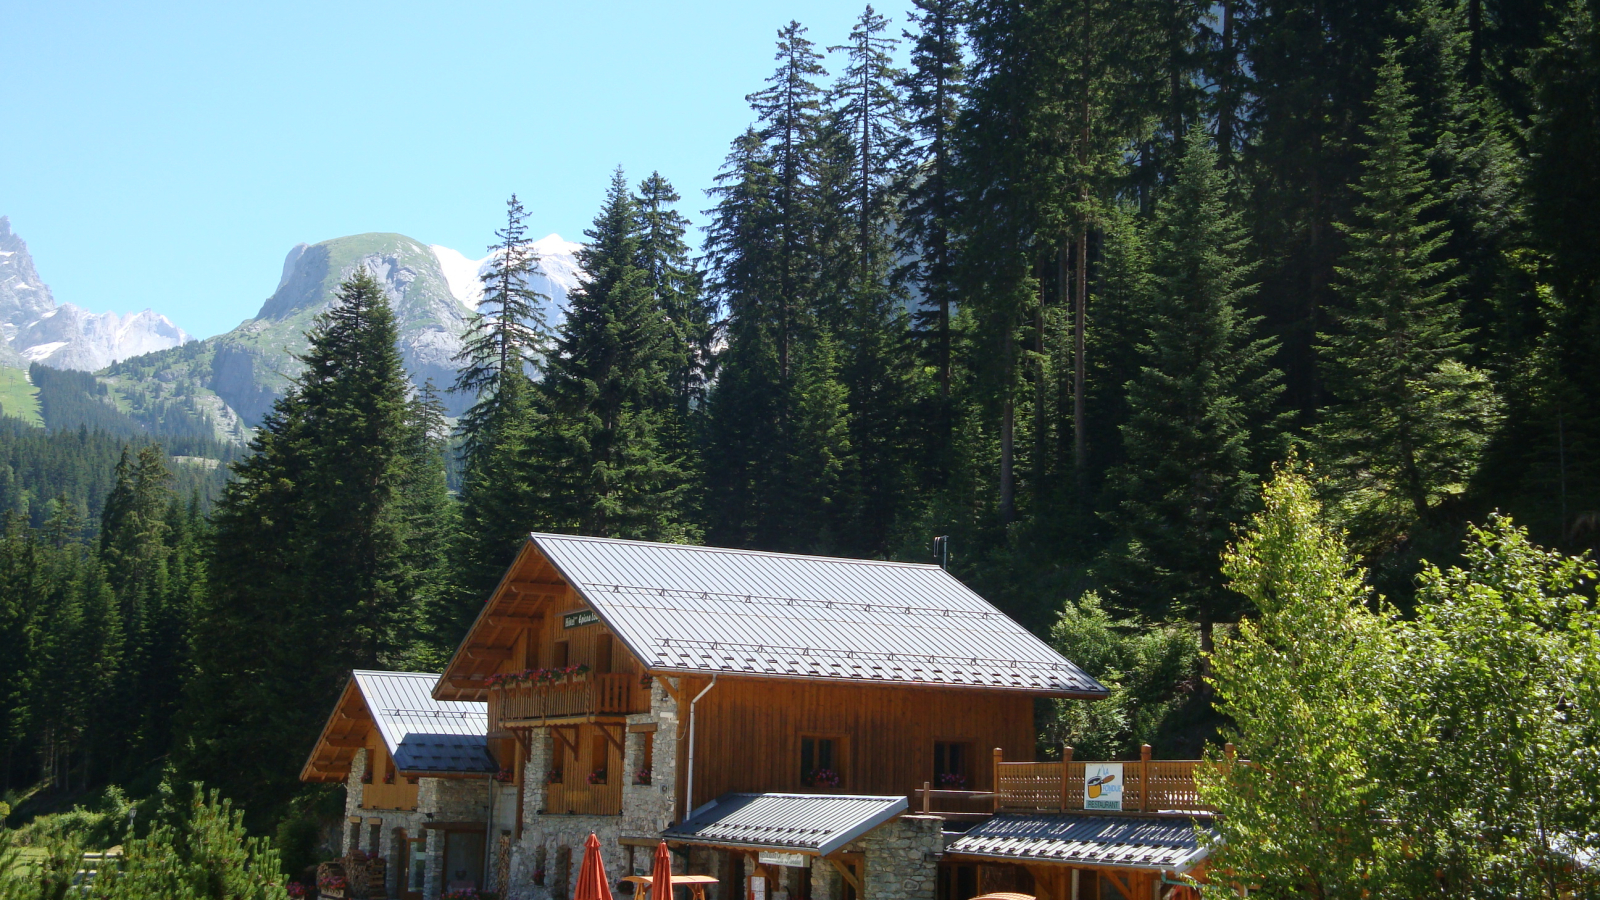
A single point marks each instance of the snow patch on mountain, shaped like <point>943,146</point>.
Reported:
<point>558,274</point>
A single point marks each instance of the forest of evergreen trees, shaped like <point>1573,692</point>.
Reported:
<point>1062,289</point>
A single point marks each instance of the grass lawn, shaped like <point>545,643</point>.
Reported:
<point>18,397</point>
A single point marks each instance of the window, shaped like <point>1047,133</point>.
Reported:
<point>647,758</point>
<point>952,766</point>
<point>602,654</point>
<point>559,657</point>
<point>599,749</point>
<point>821,762</point>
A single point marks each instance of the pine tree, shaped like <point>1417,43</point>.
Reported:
<point>308,575</point>
<point>1410,421</point>
<point>134,549</point>
<point>1194,439</point>
<point>19,637</point>
<point>508,332</point>
<point>504,342</point>
<point>608,465</point>
<point>934,88</point>
<point>429,518</point>
<point>677,287</point>
<point>789,112</point>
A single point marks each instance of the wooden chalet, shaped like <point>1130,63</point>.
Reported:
<point>418,783</point>
<point>795,727</point>
<point>720,697</point>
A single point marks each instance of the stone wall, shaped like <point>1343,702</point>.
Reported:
<point>387,821</point>
<point>646,810</point>
<point>902,859</point>
<point>449,800</point>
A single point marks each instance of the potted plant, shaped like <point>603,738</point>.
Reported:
<point>824,778</point>
<point>554,777</point>
<point>597,777</point>
<point>641,777</point>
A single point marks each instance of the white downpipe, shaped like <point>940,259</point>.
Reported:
<point>688,800</point>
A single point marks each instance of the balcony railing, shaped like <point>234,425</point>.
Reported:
<point>584,799</point>
<point>587,695</point>
<point>1159,786</point>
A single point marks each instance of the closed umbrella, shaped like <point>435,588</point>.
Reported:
<point>592,874</point>
<point>661,874</point>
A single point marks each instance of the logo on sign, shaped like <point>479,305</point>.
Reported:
<point>1102,786</point>
<point>581,617</point>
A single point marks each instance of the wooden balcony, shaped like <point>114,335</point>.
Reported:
<point>585,696</point>
<point>389,796</point>
<point>1150,786</point>
<point>584,799</point>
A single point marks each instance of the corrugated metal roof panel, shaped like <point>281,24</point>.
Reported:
<point>812,823</point>
<point>703,609</point>
<point>1146,843</point>
<point>424,734</point>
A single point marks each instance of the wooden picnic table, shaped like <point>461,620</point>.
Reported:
<point>696,884</point>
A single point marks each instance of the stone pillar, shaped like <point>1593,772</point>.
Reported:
<point>433,881</point>
<point>352,803</point>
<point>902,859</point>
<point>825,881</point>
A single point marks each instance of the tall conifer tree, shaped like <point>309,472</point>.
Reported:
<point>309,576</point>
<point>1410,421</point>
<point>1197,409</point>
<point>608,467</point>
<point>504,343</point>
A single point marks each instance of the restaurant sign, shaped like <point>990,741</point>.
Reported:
<point>792,860</point>
<point>1102,786</point>
<point>581,617</point>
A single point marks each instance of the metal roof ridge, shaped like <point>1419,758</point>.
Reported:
<point>536,535</point>
<point>433,675</point>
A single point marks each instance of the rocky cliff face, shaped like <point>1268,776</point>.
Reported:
<point>35,329</point>
<point>434,291</point>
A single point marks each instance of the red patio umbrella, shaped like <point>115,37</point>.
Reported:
<point>661,874</point>
<point>592,883</point>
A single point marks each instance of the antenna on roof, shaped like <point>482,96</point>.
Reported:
<point>941,550</point>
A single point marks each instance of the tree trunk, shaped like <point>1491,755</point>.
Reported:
<point>1008,504</point>
<point>1080,320</point>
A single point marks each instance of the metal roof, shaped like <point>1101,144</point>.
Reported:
<point>423,734</point>
<point>808,823</point>
<point>703,609</point>
<point>1169,844</point>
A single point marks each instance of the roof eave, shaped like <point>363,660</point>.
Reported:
<point>442,686</point>
<point>881,682</point>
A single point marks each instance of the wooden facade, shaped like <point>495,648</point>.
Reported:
<point>749,735</point>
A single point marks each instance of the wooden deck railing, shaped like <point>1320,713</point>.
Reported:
<point>1161,786</point>
<point>584,799</point>
<point>610,694</point>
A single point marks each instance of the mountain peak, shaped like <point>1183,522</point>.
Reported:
<point>35,329</point>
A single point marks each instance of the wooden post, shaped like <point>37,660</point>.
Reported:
<point>1144,777</point>
<point>1066,760</point>
<point>925,797</point>
<point>1228,752</point>
<point>997,757</point>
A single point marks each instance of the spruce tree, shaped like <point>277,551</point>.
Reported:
<point>1197,409</point>
<point>934,88</point>
<point>308,574</point>
<point>135,548</point>
<point>429,518</point>
<point>676,284</point>
<point>1410,421</point>
<point>607,465</point>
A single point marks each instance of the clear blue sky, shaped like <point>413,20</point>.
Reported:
<point>168,155</point>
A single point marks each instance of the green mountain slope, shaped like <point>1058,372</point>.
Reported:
<point>233,378</point>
